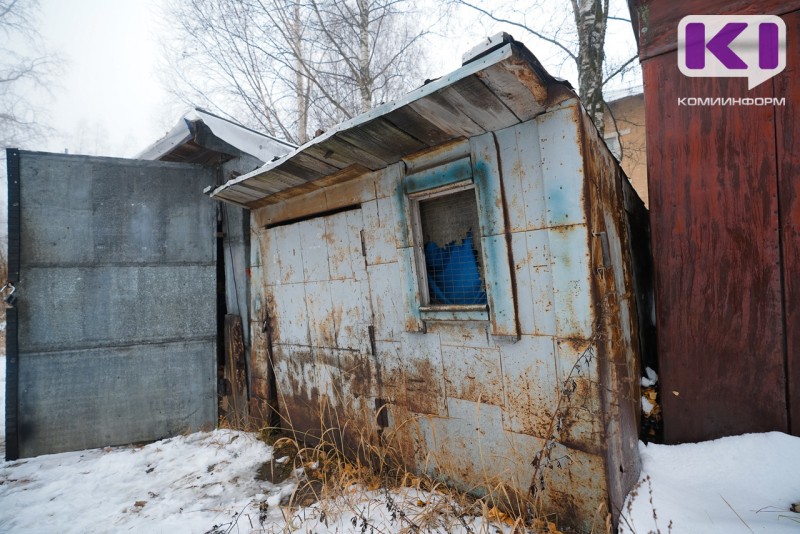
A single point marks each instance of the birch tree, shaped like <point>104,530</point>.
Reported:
<point>290,67</point>
<point>578,32</point>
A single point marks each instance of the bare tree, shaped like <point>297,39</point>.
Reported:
<point>290,67</point>
<point>581,40</point>
<point>23,66</point>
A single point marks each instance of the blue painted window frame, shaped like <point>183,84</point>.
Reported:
<point>480,170</point>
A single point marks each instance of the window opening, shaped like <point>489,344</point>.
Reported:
<point>452,249</point>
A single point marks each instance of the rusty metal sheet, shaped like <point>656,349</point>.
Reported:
<point>562,167</point>
<point>290,325</point>
<point>571,275</point>
<point>717,274</point>
<point>380,243</point>
<point>531,385</point>
<point>520,161</point>
<point>388,300</point>
<point>498,276</point>
<point>473,374</point>
<point>533,274</point>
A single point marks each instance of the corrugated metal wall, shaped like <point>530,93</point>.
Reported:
<point>116,314</point>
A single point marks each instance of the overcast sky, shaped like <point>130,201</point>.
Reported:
<point>109,99</point>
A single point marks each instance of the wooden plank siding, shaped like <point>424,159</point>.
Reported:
<point>725,226</point>
<point>787,131</point>
<point>656,22</point>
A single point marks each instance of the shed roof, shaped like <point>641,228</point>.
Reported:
<point>504,86</point>
<point>202,137</point>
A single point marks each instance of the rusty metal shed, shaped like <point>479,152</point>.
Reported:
<point>531,379</point>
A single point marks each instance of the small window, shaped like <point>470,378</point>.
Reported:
<point>448,232</point>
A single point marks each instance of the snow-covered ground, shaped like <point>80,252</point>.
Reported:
<point>205,483</point>
<point>738,484</point>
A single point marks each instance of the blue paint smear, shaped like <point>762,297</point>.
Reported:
<point>453,275</point>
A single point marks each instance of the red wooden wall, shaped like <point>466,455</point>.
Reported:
<point>724,186</point>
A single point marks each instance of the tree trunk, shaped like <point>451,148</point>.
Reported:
<point>300,81</point>
<point>364,81</point>
<point>591,17</point>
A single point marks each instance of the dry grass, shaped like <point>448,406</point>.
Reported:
<point>348,472</point>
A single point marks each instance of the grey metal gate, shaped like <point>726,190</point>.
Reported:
<point>113,336</point>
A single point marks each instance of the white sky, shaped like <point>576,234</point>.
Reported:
<point>109,99</point>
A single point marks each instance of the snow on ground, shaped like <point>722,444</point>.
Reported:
<point>3,401</point>
<point>203,482</point>
<point>736,484</point>
<point>182,484</point>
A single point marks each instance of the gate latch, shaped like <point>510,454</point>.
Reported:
<point>8,296</point>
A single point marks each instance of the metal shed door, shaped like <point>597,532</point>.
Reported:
<point>113,336</point>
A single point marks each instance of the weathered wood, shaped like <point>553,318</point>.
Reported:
<point>657,21</point>
<point>382,139</point>
<point>346,154</point>
<point>478,103</point>
<point>437,110</point>
<point>787,85</point>
<point>458,148</point>
<point>263,185</point>
<point>281,180</point>
<point>714,224</point>
<point>238,196</point>
<point>314,164</point>
<point>507,87</point>
<point>345,175</point>
<point>417,126</point>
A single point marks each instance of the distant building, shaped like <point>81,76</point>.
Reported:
<point>625,135</point>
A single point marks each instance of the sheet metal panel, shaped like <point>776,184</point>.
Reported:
<point>498,277</point>
<point>714,226</point>
<point>520,160</point>
<point>117,315</point>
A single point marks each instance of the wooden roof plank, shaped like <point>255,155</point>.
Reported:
<point>309,162</point>
<point>508,87</point>
<point>237,196</point>
<point>417,126</point>
<point>436,109</point>
<point>346,152</point>
<point>383,139</point>
<point>480,104</point>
